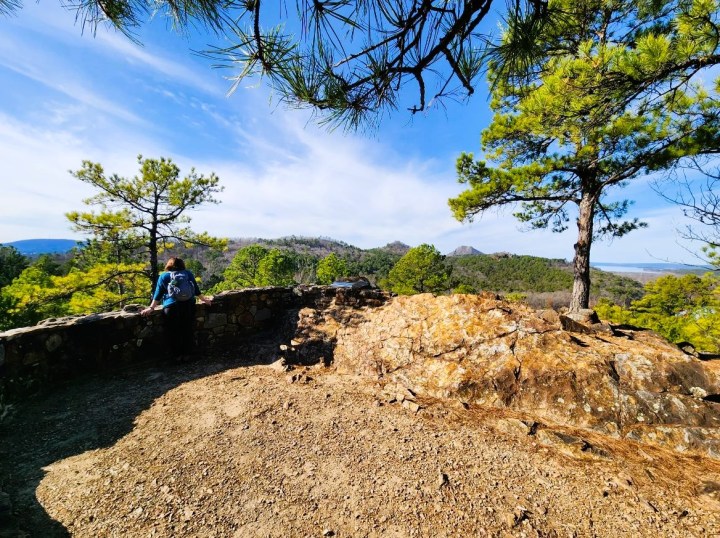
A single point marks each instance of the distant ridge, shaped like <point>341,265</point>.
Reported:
<point>465,251</point>
<point>396,247</point>
<point>34,247</point>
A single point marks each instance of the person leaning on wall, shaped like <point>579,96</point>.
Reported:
<point>179,314</point>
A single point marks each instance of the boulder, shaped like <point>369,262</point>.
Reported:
<point>482,350</point>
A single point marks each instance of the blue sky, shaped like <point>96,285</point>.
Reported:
<point>69,96</point>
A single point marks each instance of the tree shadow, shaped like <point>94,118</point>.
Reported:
<point>95,412</point>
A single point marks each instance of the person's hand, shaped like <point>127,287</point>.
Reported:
<point>146,311</point>
<point>206,300</point>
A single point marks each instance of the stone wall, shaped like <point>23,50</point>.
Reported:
<point>56,350</point>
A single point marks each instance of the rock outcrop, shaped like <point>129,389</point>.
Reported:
<point>465,250</point>
<point>624,382</point>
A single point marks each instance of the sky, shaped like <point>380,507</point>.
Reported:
<point>69,96</point>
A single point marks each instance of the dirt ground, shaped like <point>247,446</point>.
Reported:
<point>230,449</point>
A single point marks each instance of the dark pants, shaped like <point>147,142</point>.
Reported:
<point>180,327</point>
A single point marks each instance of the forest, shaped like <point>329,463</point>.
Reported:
<point>682,307</point>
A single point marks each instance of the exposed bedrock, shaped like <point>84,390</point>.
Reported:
<point>628,383</point>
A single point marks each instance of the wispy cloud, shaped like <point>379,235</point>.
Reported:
<point>203,80</point>
<point>106,99</point>
<point>55,72</point>
<point>37,187</point>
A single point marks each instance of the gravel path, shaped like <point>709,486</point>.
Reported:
<point>231,450</point>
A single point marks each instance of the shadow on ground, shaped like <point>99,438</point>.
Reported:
<point>94,413</point>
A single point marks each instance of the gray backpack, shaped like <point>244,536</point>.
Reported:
<point>181,287</point>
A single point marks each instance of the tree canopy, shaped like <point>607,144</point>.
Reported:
<point>276,269</point>
<point>349,59</point>
<point>255,265</point>
<point>609,95</point>
<point>141,216</point>
<point>681,308</point>
<point>330,268</point>
<point>12,263</point>
<point>420,270</point>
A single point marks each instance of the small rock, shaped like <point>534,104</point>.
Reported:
<point>550,316</point>
<point>299,378</point>
<point>517,516</point>
<point>412,406</point>
<point>514,426</point>
<point>509,519</point>
<point>280,365</point>
<point>443,480</point>
<point>569,324</point>
<point>584,315</point>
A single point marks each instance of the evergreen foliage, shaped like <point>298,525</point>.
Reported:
<point>330,268</point>
<point>44,290</point>
<point>349,60</point>
<point>510,273</point>
<point>608,94</point>
<point>375,264</point>
<point>277,269</point>
<point>243,271</point>
<point>256,266</point>
<point>12,263</point>
<point>421,270</point>
<point>140,217</point>
<point>682,309</point>
<point>533,275</point>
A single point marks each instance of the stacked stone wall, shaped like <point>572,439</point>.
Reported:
<point>57,350</point>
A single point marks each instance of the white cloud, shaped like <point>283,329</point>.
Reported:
<point>283,175</point>
<point>37,187</point>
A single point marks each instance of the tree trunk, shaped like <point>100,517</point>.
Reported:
<point>153,258</point>
<point>581,262</point>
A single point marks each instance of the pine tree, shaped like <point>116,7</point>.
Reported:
<point>608,96</point>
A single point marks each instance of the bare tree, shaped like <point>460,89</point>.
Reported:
<point>696,189</point>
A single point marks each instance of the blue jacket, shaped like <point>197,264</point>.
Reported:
<point>162,286</point>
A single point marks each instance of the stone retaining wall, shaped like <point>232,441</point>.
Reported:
<point>56,350</point>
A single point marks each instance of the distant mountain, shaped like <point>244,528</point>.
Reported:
<point>314,246</point>
<point>396,247</point>
<point>35,247</point>
<point>465,251</point>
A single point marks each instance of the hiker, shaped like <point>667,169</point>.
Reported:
<point>176,290</point>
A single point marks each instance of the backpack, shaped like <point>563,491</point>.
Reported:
<point>181,287</point>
